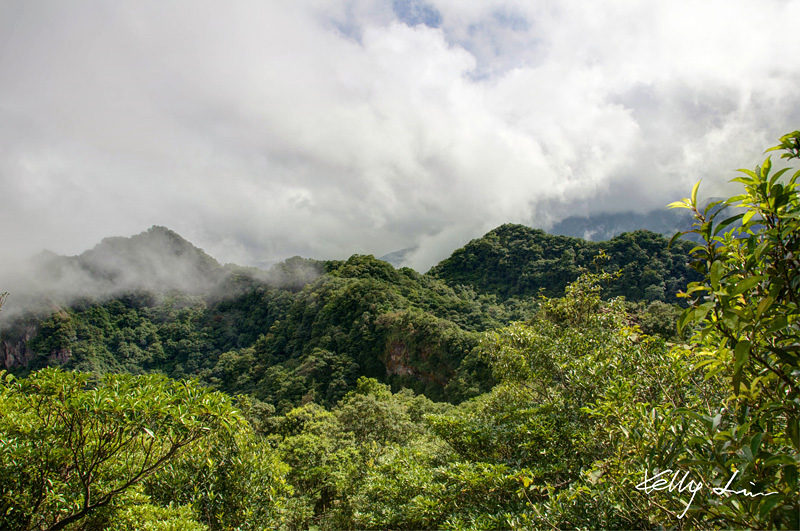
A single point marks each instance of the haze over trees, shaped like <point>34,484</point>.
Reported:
<point>528,381</point>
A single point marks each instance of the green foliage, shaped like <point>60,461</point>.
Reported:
<point>323,458</point>
<point>362,318</point>
<point>234,481</point>
<point>745,316</point>
<point>69,445</point>
<point>133,510</point>
<point>365,318</point>
<point>147,517</point>
<point>509,451</point>
<point>374,417</point>
<point>309,329</point>
<point>566,398</point>
<point>332,454</point>
<point>716,413</point>
<point>513,261</point>
<point>657,318</point>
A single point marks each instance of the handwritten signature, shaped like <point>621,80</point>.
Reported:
<point>660,482</point>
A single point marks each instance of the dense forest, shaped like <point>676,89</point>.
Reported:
<point>516,261</point>
<point>528,381</point>
<point>291,336</point>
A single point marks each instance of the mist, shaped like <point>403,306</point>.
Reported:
<point>154,264</point>
<point>265,130</point>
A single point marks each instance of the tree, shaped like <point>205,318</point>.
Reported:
<point>746,316</point>
<point>720,413</point>
<point>578,352</point>
<point>234,481</point>
<point>750,293</point>
<point>323,458</point>
<point>70,445</point>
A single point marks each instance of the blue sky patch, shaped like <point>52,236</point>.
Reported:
<point>415,12</point>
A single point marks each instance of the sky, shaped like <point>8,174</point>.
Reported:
<point>264,129</point>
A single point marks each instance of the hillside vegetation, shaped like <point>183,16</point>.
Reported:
<point>510,387</point>
<point>517,261</point>
<point>307,330</point>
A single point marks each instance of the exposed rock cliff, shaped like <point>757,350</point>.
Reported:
<point>14,352</point>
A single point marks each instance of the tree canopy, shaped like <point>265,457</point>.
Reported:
<point>378,398</point>
<point>70,445</point>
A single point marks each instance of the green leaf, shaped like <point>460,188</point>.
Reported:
<point>744,285</point>
<point>711,206</point>
<point>765,303</point>
<point>793,430</point>
<point>675,237</point>
<point>790,474</point>
<point>680,204</point>
<point>779,460</point>
<point>747,453</point>
<point>717,269</point>
<point>777,324</point>
<point>762,247</point>
<point>777,175</point>
<point>755,443</point>
<point>767,166</point>
<point>769,503</point>
<point>724,223</point>
<point>694,192</point>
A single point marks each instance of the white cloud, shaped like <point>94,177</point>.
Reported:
<point>260,130</point>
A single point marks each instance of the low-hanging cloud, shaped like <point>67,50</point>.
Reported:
<point>262,130</point>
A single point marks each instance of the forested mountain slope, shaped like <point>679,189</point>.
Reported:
<point>517,261</point>
<point>273,340</point>
<point>155,260</point>
<point>565,414</point>
<point>307,330</point>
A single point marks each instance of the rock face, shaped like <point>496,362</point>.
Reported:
<point>398,363</point>
<point>14,353</point>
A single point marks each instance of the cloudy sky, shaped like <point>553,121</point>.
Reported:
<point>265,129</point>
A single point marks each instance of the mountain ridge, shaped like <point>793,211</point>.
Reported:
<point>519,261</point>
<point>601,227</point>
<point>310,329</point>
<point>510,260</point>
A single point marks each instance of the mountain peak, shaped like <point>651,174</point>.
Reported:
<point>157,259</point>
<point>515,260</point>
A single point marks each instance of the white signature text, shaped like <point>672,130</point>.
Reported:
<point>662,481</point>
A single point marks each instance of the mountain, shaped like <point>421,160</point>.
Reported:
<point>309,329</point>
<point>157,260</point>
<point>396,258</point>
<point>599,227</point>
<point>518,261</point>
<point>278,342</point>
